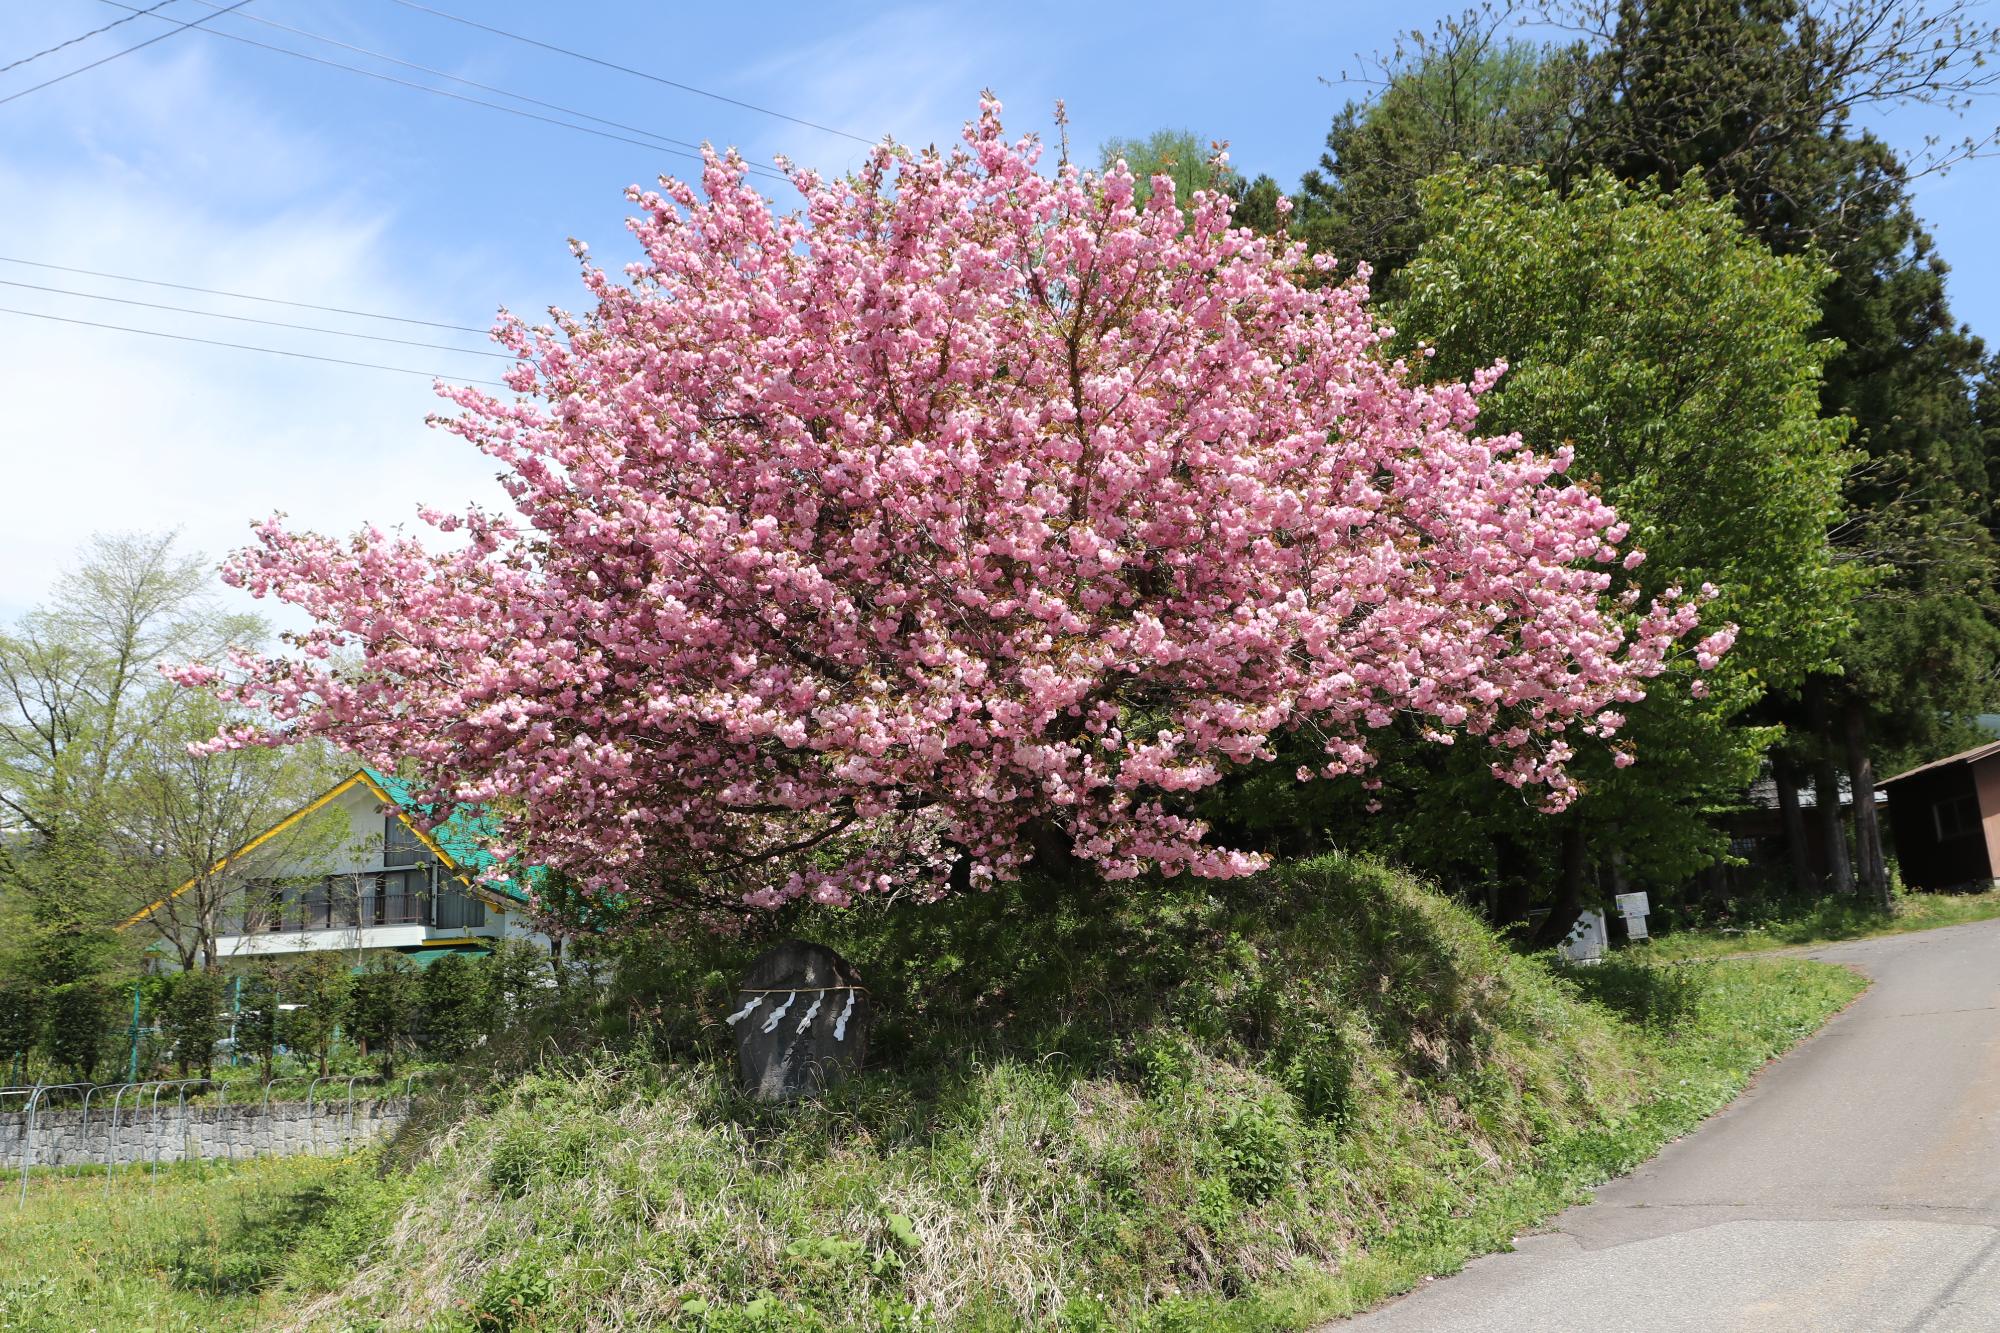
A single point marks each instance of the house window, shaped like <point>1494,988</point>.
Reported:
<point>1956,817</point>
<point>459,911</point>
<point>402,897</point>
<point>400,844</point>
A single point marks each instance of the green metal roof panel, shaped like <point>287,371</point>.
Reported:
<point>425,957</point>
<point>464,835</point>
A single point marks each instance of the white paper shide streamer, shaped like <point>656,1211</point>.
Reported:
<point>771,1023</point>
<point>840,1024</point>
<point>811,1013</point>
<point>744,1012</point>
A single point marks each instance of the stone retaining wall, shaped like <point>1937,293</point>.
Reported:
<point>170,1132</point>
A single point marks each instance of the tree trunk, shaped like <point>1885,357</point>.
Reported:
<point>1826,787</point>
<point>1569,897</point>
<point>1873,868</point>
<point>1826,805</point>
<point>1511,897</point>
<point>1791,816</point>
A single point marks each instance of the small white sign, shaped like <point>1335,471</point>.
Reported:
<point>1635,928</point>
<point>1633,904</point>
<point>1586,940</point>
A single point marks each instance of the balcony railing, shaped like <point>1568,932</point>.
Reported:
<point>354,902</point>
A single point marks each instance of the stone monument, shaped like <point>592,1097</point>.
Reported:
<point>801,1022</point>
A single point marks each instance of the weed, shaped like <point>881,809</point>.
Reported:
<point>1233,1107</point>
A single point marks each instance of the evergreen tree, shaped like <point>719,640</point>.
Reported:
<point>457,1007</point>
<point>313,1005</point>
<point>257,1025</point>
<point>191,1020</point>
<point>382,1007</point>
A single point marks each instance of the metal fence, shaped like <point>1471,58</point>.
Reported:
<point>51,1129</point>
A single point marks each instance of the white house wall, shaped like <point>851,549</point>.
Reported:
<point>318,941</point>
<point>360,842</point>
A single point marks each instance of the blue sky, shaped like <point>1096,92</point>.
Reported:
<point>203,161</point>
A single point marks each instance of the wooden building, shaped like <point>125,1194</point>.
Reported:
<point>1945,816</point>
<point>1756,830</point>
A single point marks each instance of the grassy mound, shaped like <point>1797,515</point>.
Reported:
<point>1241,1106</point>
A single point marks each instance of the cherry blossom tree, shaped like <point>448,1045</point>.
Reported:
<point>964,516</point>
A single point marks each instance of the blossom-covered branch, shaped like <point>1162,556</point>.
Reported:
<point>962,509</point>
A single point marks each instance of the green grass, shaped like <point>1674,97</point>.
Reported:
<point>1252,1108</point>
<point>200,1246</point>
<point>1831,919</point>
<point>1248,1106</point>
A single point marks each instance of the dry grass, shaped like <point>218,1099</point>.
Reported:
<point>1334,1076</point>
<point>1204,1114</point>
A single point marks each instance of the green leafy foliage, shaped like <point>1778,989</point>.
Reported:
<point>1675,355</point>
<point>259,991</point>
<point>312,1004</point>
<point>1463,94</point>
<point>383,1006</point>
<point>457,1007</point>
<point>1190,162</point>
<point>21,1009</point>
<point>189,1013</point>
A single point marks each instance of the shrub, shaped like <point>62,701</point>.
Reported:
<point>382,1006</point>
<point>457,1007</point>
<point>312,1003</point>
<point>190,1018</point>
<point>76,1035</point>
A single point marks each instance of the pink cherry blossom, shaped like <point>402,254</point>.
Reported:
<point>962,513</point>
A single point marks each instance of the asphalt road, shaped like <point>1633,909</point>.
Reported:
<point>1854,1187</point>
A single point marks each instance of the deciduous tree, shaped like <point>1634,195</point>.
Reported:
<point>966,516</point>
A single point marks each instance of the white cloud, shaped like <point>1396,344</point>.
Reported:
<point>167,171</point>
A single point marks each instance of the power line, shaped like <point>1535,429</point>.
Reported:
<point>178,28</point>
<point>242,296</point>
<point>82,37</point>
<point>247,347</point>
<point>656,142</point>
<point>251,319</point>
<point>447,74</point>
<point>636,73</point>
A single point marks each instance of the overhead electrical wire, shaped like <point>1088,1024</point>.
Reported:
<point>243,296</point>
<point>82,37</point>
<point>133,12</point>
<point>177,29</point>
<point>252,319</point>
<point>249,347</point>
<point>447,74</point>
<point>627,69</point>
<point>657,142</point>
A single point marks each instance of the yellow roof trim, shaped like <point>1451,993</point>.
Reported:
<point>359,778</point>
<point>444,858</point>
<point>249,846</point>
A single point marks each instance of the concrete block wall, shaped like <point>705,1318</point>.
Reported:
<point>170,1132</point>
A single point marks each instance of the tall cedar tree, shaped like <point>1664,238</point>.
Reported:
<point>1756,99</point>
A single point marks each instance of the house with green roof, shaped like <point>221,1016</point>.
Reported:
<point>398,881</point>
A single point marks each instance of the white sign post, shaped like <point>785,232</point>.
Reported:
<point>1634,907</point>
